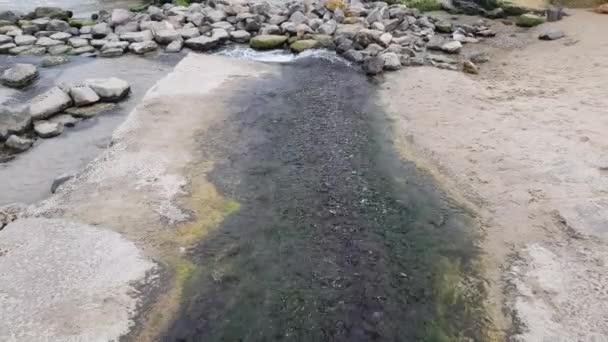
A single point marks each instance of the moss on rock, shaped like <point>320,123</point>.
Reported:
<point>529,20</point>
<point>267,41</point>
<point>305,44</point>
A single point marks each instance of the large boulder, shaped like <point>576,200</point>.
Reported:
<point>83,95</point>
<point>20,75</point>
<point>13,121</point>
<point>109,89</point>
<point>120,16</point>
<point>18,144</point>
<point>49,103</point>
<point>52,12</point>
<point>264,42</point>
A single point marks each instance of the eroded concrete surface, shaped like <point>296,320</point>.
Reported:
<point>72,270</point>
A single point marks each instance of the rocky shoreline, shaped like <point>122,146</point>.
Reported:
<point>378,35</point>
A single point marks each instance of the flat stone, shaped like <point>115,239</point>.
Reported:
<point>90,111</point>
<point>143,47</point>
<point>137,37</point>
<point>20,75</point>
<point>59,49</point>
<point>112,52</point>
<point>302,45</point>
<point>82,50</point>
<point>18,144</point>
<point>83,95</point>
<point>4,39</point>
<point>187,33</point>
<point>109,89</point>
<point>62,36</point>
<point>203,43</point>
<point>46,41</point>
<point>49,103</point>
<point>6,48</point>
<point>19,49</point>
<point>46,129</point>
<point>25,40</point>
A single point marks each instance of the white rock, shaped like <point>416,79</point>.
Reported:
<point>109,89</point>
<point>143,47</point>
<point>19,75</point>
<point>120,16</point>
<point>18,144</point>
<point>83,95</point>
<point>452,47</point>
<point>137,37</point>
<point>51,102</point>
<point>47,129</point>
<point>25,40</point>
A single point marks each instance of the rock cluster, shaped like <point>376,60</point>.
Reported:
<point>48,113</point>
<point>361,31</point>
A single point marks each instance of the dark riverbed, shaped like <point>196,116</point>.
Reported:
<point>335,238</point>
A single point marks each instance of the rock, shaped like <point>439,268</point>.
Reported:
<point>328,28</point>
<point>216,15</point>
<point>25,40</point>
<point>175,46</point>
<point>46,42</point>
<point>496,13</point>
<point>391,61</point>
<point>529,20</point>
<point>348,31</point>
<point>111,52</point>
<point>264,42</point>
<point>49,103</point>
<point>20,50</point>
<point>477,57</point>
<point>602,9</point>
<point>298,18</point>
<point>18,144</point>
<point>4,39</point>
<point>59,49</point>
<point>137,37</point>
<point>6,48</point>
<point>78,42</point>
<point>385,39</point>
<point>441,59</point>
<point>436,42</point>
<point>187,33</point>
<point>143,47</point>
<point>301,45</point>
<point>34,50</point>
<point>353,56</point>
<point>109,89</point>
<point>551,35</point>
<point>324,41</point>
<point>100,30</point>
<point>240,36</point>
<point>82,50</point>
<point>50,61</point>
<point>52,12</point>
<point>373,65</point>
<point>115,45</point>
<point>485,33</point>
<point>373,49</point>
<point>57,182</point>
<point>90,111</point>
<point>166,36</point>
<point>130,26</point>
<point>203,43</point>
<point>377,14</point>
<point>443,27</point>
<point>9,16</point>
<point>13,120</point>
<point>46,129</point>
<point>20,75</point>
<point>554,14</point>
<point>83,95</point>
<point>57,25</point>
<point>120,16</point>
<point>62,36</point>
<point>470,67</point>
<point>451,47</point>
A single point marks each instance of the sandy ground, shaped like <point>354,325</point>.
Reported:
<point>87,279</point>
<point>525,144</point>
